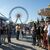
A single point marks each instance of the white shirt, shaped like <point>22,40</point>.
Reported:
<point>48,30</point>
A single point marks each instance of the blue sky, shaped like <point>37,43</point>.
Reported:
<point>32,6</point>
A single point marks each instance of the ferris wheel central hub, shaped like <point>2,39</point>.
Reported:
<point>18,15</point>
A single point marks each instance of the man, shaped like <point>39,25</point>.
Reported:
<point>34,36</point>
<point>9,34</point>
<point>3,33</point>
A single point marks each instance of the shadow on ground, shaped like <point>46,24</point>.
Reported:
<point>15,46</point>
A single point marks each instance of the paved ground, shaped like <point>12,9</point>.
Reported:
<point>24,44</point>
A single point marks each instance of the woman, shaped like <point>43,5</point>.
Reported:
<point>17,31</point>
<point>45,36</point>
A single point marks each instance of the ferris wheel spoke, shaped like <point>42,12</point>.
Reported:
<point>16,20</point>
<point>20,20</point>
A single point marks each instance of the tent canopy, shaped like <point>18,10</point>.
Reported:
<point>45,12</point>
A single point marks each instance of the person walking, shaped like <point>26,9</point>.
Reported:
<point>34,34</point>
<point>17,31</point>
<point>9,34</point>
<point>34,37</point>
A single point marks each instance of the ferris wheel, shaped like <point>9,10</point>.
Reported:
<point>18,15</point>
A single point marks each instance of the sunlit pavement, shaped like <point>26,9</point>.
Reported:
<point>22,44</point>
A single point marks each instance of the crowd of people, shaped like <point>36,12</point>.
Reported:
<point>6,31</point>
<point>40,35</point>
<point>38,32</point>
